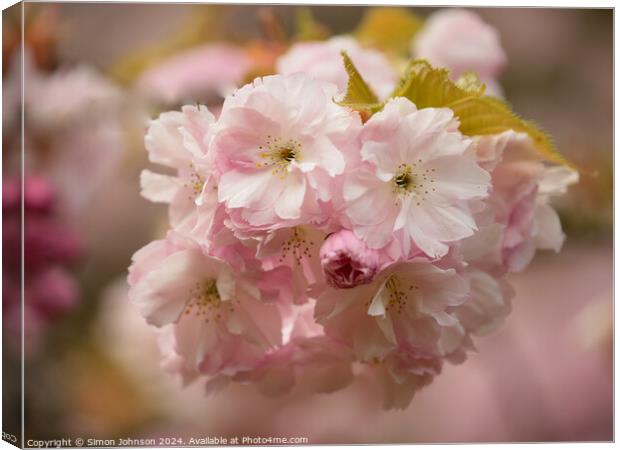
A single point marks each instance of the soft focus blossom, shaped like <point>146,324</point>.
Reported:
<point>220,323</point>
<point>418,178</point>
<point>296,248</point>
<point>489,302</point>
<point>308,361</point>
<point>522,188</point>
<point>67,96</point>
<point>460,41</point>
<point>73,125</point>
<point>195,74</point>
<point>280,145</point>
<point>401,375</point>
<point>408,306</point>
<point>347,261</point>
<point>307,249</point>
<point>323,61</point>
<point>181,140</point>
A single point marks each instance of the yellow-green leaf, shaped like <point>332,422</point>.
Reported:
<point>487,115</point>
<point>389,29</point>
<point>359,95</point>
<point>470,82</point>
<point>429,87</point>
<point>307,28</point>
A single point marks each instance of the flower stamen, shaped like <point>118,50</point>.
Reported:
<point>409,181</point>
<point>279,154</point>
<point>299,246</point>
<point>205,301</point>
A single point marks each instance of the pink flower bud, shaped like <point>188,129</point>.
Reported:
<point>348,262</point>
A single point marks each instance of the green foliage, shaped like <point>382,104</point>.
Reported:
<point>470,82</point>
<point>358,96</point>
<point>478,115</point>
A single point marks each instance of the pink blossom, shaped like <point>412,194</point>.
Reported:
<point>460,41</point>
<point>488,304</point>
<point>417,182</point>
<point>311,365</point>
<point>195,74</point>
<point>402,374</point>
<point>69,95</point>
<point>279,146</point>
<point>347,261</point>
<point>522,188</point>
<point>221,325</point>
<point>323,61</point>
<point>181,140</point>
<point>73,124</point>
<point>408,305</point>
<point>297,248</point>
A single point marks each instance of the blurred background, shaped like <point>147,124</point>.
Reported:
<point>92,364</point>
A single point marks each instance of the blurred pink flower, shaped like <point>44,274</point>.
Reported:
<point>323,61</point>
<point>460,41</point>
<point>47,239</point>
<point>50,247</point>
<point>71,94</point>
<point>489,302</point>
<point>280,145</point>
<point>402,374</point>
<point>522,187</point>
<point>52,292</point>
<point>417,181</point>
<point>73,129</point>
<point>195,74</point>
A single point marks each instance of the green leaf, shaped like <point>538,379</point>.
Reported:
<point>358,95</point>
<point>470,82</point>
<point>307,28</point>
<point>389,29</point>
<point>429,87</point>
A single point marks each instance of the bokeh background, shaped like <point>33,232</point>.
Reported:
<point>92,369</point>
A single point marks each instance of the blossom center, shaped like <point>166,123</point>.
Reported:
<point>195,182</point>
<point>205,301</point>
<point>278,154</point>
<point>398,293</point>
<point>298,246</point>
<point>413,179</point>
<point>404,182</point>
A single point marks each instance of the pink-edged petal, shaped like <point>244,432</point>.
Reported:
<point>322,153</point>
<point>459,178</point>
<point>157,187</point>
<point>195,338</point>
<point>288,205</point>
<point>548,229</point>
<point>430,226</point>
<point>245,189</point>
<point>162,294</point>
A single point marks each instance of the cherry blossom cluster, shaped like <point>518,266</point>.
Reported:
<point>308,246</point>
